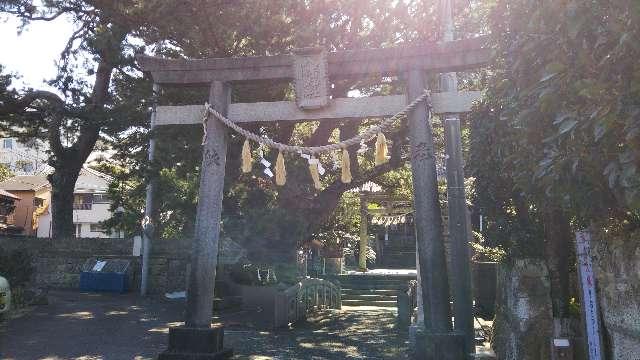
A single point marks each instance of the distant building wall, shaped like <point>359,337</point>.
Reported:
<point>23,215</point>
<point>24,209</point>
<point>24,159</point>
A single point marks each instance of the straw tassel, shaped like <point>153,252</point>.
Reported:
<point>381,149</point>
<point>315,175</point>
<point>346,167</point>
<point>246,157</point>
<point>281,171</point>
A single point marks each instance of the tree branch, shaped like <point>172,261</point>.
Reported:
<point>27,11</point>
<point>321,135</point>
<point>54,108</point>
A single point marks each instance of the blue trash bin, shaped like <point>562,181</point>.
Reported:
<point>105,275</point>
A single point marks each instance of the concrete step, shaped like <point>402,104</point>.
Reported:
<point>347,282</point>
<point>379,276</point>
<point>379,303</point>
<point>374,280</point>
<point>369,297</point>
<point>349,292</point>
<point>374,286</point>
<point>396,251</point>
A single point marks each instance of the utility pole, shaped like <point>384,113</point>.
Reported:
<point>147,224</point>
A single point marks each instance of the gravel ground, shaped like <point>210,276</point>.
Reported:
<point>85,326</point>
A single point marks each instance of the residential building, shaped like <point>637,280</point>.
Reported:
<point>24,158</point>
<point>33,214</point>
<point>7,212</point>
<point>34,193</point>
<point>91,206</point>
<point>91,203</point>
<point>31,157</point>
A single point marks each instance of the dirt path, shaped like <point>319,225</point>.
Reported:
<point>102,326</point>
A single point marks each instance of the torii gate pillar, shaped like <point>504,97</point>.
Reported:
<point>198,336</point>
<point>437,342</point>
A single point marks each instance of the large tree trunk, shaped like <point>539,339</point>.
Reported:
<point>556,247</point>
<point>63,182</point>
<point>68,161</point>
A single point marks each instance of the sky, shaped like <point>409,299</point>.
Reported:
<point>33,53</point>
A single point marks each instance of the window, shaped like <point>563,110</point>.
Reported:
<point>27,167</point>
<point>82,201</point>
<point>97,228</point>
<point>101,199</point>
<point>7,143</point>
<point>37,202</point>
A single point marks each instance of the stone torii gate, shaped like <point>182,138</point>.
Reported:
<point>312,71</point>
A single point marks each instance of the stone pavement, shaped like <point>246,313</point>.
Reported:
<point>83,326</point>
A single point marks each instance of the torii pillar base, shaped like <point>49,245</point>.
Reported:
<point>196,344</point>
<point>437,346</point>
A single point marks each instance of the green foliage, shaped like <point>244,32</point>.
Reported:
<point>342,228</point>
<point>560,123</point>
<point>481,252</point>
<point>256,213</point>
<point>5,172</point>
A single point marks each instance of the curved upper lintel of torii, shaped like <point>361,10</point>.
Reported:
<point>459,55</point>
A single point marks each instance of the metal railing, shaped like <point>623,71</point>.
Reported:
<point>307,296</point>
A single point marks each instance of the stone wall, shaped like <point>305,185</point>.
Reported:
<point>524,319</point>
<point>617,268</point>
<point>58,262</point>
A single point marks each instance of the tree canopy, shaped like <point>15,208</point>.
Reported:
<point>560,124</point>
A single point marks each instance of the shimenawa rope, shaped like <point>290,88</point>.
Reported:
<point>312,150</point>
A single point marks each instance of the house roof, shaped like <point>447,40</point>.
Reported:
<point>25,183</point>
<point>9,195</point>
<point>90,181</point>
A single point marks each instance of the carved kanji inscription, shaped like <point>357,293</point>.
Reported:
<point>311,78</point>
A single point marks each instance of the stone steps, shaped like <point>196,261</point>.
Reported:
<point>356,292</point>
<point>369,297</point>
<point>377,303</point>
<point>363,290</point>
<point>370,286</point>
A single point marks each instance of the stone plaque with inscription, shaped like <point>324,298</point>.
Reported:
<point>311,78</point>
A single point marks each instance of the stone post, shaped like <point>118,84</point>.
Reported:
<point>147,231</point>
<point>205,246</point>
<point>197,338</point>
<point>439,343</point>
<point>364,236</point>
<point>459,235</point>
<point>459,224</point>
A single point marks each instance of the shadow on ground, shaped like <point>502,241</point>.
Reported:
<point>84,326</point>
<point>332,335</point>
<point>90,326</point>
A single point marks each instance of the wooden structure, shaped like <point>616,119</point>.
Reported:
<point>312,70</point>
